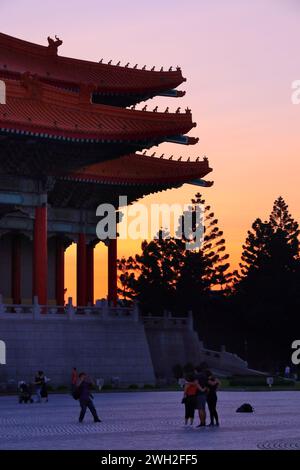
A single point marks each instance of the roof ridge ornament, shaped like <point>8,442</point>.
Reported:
<point>53,45</point>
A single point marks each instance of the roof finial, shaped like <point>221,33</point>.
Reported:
<point>109,63</point>
<point>162,69</point>
<point>127,65</point>
<point>178,110</point>
<point>188,111</point>
<point>135,67</point>
<point>162,156</point>
<point>153,68</point>
<point>53,45</point>
<point>155,109</point>
<point>153,154</point>
<point>170,69</point>
<point>118,63</point>
<point>144,108</point>
<point>144,68</point>
<point>167,110</point>
<point>179,159</point>
<point>100,61</point>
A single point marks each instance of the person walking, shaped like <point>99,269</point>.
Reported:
<point>213,384</point>
<point>84,385</point>
<point>190,398</point>
<point>44,389</point>
<point>39,383</point>
<point>201,379</point>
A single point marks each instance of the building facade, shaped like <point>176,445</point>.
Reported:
<point>69,142</point>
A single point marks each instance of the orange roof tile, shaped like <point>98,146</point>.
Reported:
<point>142,170</point>
<point>18,56</point>
<point>38,109</point>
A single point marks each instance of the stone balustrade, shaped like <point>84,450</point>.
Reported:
<point>102,310</point>
<point>167,320</point>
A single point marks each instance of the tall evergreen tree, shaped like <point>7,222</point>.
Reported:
<point>205,267</point>
<point>151,277</point>
<point>271,250</point>
<point>267,288</point>
<point>167,275</point>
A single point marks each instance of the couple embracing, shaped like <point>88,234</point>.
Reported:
<point>201,388</point>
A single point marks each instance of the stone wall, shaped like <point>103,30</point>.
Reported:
<point>173,341</point>
<point>103,348</point>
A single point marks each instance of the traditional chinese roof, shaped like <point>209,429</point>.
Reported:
<point>133,176</point>
<point>111,84</point>
<point>43,127</point>
<point>41,110</point>
<point>59,121</point>
<point>142,169</point>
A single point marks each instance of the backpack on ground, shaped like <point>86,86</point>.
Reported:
<point>245,408</point>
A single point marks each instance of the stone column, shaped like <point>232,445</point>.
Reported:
<point>60,272</point>
<point>90,274</point>
<point>81,271</point>
<point>112,271</point>
<point>40,255</point>
<point>16,268</point>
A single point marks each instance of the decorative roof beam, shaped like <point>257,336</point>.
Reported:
<point>172,93</point>
<point>201,182</point>
<point>182,139</point>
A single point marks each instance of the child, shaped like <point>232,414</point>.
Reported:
<point>189,399</point>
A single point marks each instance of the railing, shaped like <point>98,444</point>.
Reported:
<point>101,311</point>
<point>168,321</point>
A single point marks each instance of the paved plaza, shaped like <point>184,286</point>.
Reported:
<point>151,420</point>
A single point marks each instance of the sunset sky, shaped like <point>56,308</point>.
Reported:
<point>240,58</point>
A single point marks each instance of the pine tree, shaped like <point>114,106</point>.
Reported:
<point>169,276</point>
<point>267,287</point>
<point>152,276</point>
<point>271,250</point>
<point>205,267</point>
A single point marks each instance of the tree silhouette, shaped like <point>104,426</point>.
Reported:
<point>271,251</point>
<point>152,276</point>
<point>205,267</point>
<point>168,275</point>
<point>267,287</point>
